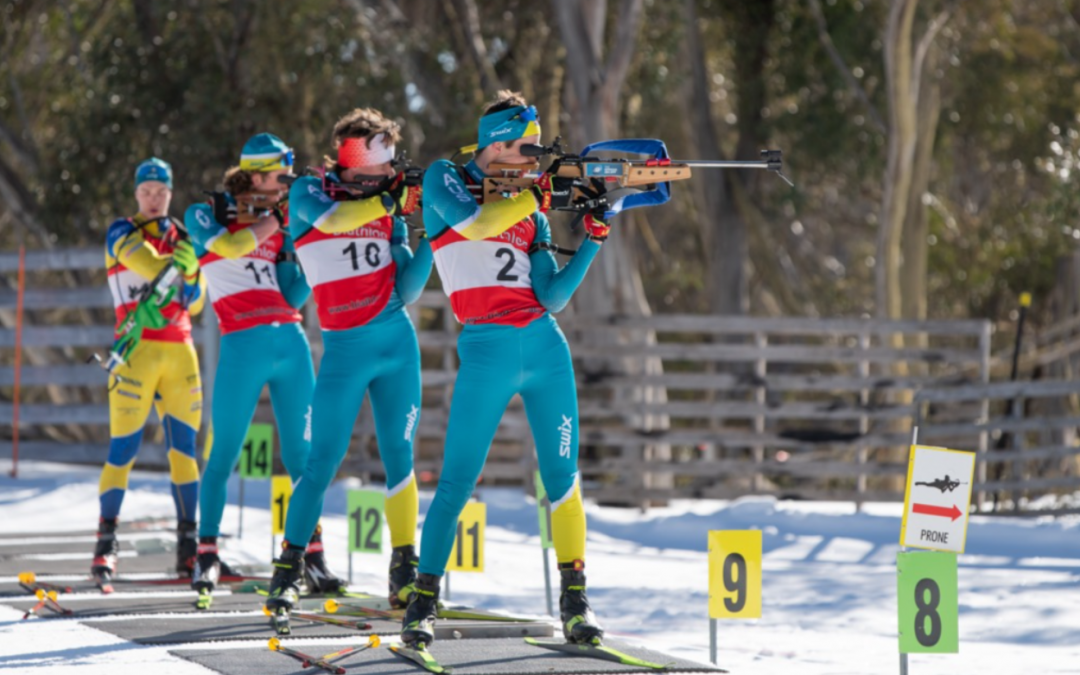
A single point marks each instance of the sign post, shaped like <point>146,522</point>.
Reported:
<point>734,578</point>
<point>365,511</point>
<point>543,509</point>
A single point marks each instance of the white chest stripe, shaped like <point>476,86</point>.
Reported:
<point>228,276</point>
<point>340,258</point>
<point>482,264</point>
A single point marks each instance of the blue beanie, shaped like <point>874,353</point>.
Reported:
<point>154,169</point>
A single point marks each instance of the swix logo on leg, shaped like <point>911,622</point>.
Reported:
<point>307,424</point>
<point>410,422</point>
<point>566,430</point>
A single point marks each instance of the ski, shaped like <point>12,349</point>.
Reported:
<point>597,651</point>
<point>178,581</point>
<point>421,657</point>
<point>343,623</point>
<point>29,581</point>
<point>324,662</point>
<point>333,607</point>
<point>46,600</point>
<point>204,600</point>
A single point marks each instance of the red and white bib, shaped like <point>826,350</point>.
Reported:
<point>489,281</point>
<point>351,274</point>
<point>244,291</point>
<point>126,286</point>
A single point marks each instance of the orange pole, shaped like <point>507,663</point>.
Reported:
<point>18,362</point>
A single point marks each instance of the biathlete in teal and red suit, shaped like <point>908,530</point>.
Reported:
<point>256,288</point>
<point>495,262</point>
<point>354,244</point>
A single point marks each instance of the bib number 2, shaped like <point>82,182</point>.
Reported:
<point>504,273</point>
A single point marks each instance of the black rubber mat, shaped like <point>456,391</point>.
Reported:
<point>162,525</point>
<point>160,562</point>
<point>111,605</point>
<point>215,628</point>
<point>507,656</point>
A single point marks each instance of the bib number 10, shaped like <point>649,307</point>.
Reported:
<point>370,254</point>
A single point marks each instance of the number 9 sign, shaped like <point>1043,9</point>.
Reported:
<point>735,574</point>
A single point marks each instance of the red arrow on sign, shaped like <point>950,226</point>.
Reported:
<point>946,511</point>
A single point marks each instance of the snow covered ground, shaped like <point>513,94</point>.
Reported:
<point>829,580</point>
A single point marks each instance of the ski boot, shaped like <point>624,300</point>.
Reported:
<point>403,562</point>
<point>317,574</point>
<point>418,626</point>
<point>187,546</point>
<point>208,571</point>
<point>106,550</point>
<point>285,587</point>
<point>578,621</point>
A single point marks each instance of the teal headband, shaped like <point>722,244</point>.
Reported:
<point>507,125</point>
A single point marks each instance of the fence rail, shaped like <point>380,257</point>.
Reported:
<point>670,405</point>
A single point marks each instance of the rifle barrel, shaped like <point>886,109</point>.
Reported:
<point>710,164</point>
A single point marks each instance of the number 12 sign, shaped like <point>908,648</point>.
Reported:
<point>366,521</point>
<point>735,574</point>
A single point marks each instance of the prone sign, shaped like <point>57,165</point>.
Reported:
<point>937,499</point>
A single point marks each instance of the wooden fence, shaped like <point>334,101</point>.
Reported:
<point>670,405</point>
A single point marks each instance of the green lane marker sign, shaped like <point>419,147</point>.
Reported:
<point>928,599</point>
<point>257,457</point>
<point>366,510</point>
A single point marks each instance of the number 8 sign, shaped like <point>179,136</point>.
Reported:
<point>929,603</point>
<point>366,509</point>
<point>735,574</point>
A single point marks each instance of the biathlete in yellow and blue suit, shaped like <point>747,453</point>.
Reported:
<point>162,366</point>
<point>354,246</point>
<point>503,281</point>
<point>256,288</point>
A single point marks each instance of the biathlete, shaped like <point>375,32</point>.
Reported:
<point>503,281</point>
<point>354,245</point>
<point>163,366</point>
<point>256,288</point>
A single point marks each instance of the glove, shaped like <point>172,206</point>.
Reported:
<point>185,259</point>
<point>551,191</point>
<point>596,229</point>
<point>406,197</point>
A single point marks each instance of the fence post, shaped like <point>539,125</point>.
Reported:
<point>862,455</point>
<point>761,341</point>
<point>19,292</point>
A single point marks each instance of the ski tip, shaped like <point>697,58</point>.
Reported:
<point>27,577</point>
<point>331,606</point>
<point>267,611</point>
<point>374,641</point>
<point>274,644</point>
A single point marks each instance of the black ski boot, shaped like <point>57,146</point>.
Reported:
<point>187,546</point>
<point>316,572</point>
<point>578,621</point>
<point>403,562</point>
<point>106,550</point>
<point>288,575</point>
<point>418,626</point>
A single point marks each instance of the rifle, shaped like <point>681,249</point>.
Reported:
<point>613,185</point>
<point>405,173</point>
<point>146,314</point>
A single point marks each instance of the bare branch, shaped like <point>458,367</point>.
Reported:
<point>585,74</point>
<point>925,42</point>
<point>845,72</point>
<point>469,20</point>
<point>20,204</point>
<point>622,46</point>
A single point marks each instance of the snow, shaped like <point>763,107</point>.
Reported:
<point>829,580</point>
